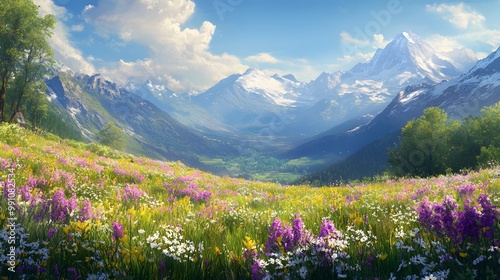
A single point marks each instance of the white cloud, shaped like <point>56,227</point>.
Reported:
<point>485,40</point>
<point>358,50</point>
<point>347,38</point>
<point>443,43</point>
<point>263,58</point>
<point>64,50</point>
<point>179,56</point>
<point>357,57</point>
<point>459,15</point>
<point>77,28</point>
<point>378,41</point>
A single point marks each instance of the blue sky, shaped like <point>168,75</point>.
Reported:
<point>193,44</point>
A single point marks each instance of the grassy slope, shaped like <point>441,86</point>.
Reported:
<point>211,221</point>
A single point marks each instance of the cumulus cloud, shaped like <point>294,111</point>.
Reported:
<point>262,58</point>
<point>459,15</point>
<point>474,30</point>
<point>64,50</point>
<point>357,57</point>
<point>179,56</point>
<point>347,38</point>
<point>359,50</point>
<point>443,43</point>
<point>77,28</point>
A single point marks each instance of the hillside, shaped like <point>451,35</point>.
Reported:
<point>81,211</point>
<point>92,102</point>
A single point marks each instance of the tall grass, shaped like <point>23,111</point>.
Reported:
<point>84,215</point>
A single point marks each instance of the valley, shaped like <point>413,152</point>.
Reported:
<point>276,128</point>
<point>261,140</point>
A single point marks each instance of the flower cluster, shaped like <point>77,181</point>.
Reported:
<point>173,244</point>
<point>131,194</point>
<point>445,219</point>
<point>34,254</point>
<point>292,252</point>
<point>183,187</point>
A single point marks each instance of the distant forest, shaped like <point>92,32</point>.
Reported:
<point>427,146</point>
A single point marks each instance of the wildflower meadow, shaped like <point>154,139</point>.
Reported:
<point>70,210</point>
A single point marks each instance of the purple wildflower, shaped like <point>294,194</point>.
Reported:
<point>117,231</point>
<point>86,211</point>
<point>51,232</point>
<point>489,216</point>
<point>62,207</point>
<point>468,223</point>
<point>73,273</point>
<point>327,228</point>
<point>131,194</point>
<point>258,272</point>
<point>300,236</point>
<point>275,231</point>
<point>466,189</point>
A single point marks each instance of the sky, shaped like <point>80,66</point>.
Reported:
<point>192,44</point>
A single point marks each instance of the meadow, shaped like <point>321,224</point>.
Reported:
<point>70,210</point>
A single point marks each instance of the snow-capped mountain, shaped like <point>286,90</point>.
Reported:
<point>249,101</point>
<point>407,59</point>
<point>92,101</point>
<point>463,59</point>
<point>460,97</point>
<point>256,103</point>
<point>368,87</point>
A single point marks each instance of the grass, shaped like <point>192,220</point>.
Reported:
<point>261,168</point>
<point>89,216</point>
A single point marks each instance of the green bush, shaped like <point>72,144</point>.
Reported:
<point>12,134</point>
<point>489,156</point>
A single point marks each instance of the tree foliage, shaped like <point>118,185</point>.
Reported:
<point>24,55</point>
<point>111,136</point>
<point>432,144</point>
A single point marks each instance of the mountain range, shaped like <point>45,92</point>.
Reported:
<point>331,118</point>
<point>461,97</point>
<point>92,102</point>
<point>253,104</point>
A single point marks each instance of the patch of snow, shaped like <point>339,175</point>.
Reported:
<point>52,96</point>
<point>73,111</point>
<point>280,92</point>
<point>411,96</point>
<point>408,37</point>
<point>354,129</point>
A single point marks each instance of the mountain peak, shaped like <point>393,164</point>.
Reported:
<point>291,77</point>
<point>409,54</point>
<point>409,36</point>
<point>251,71</point>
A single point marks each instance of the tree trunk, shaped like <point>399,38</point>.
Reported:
<point>3,94</point>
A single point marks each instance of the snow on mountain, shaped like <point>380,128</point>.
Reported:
<point>279,90</point>
<point>459,97</point>
<point>408,53</point>
<point>463,59</point>
<point>368,87</point>
<point>251,101</point>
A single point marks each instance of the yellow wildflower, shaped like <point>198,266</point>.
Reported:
<point>249,243</point>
